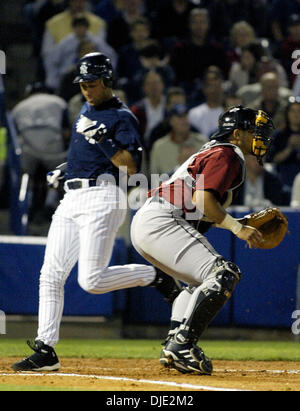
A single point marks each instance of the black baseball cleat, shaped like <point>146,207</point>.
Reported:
<point>44,359</point>
<point>167,286</point>
<point>186,358</point>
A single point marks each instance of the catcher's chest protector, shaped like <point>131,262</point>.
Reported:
<point>183,171</point>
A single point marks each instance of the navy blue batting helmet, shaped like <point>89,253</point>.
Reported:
<point>93,66</point>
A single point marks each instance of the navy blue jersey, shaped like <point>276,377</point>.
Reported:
<point>88,160</point>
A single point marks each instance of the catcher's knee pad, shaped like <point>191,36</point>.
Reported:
<point>228,275</point>
<point>210,300</point>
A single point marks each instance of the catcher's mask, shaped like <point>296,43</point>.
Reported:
<point>244,118</point>
<point>263,132</point>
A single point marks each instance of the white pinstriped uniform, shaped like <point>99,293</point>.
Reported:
<point>83,229</point>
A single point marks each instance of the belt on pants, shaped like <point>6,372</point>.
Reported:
<point>77,184</point>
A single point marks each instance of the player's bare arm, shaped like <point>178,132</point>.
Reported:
<point>124,159</point>
<point>207,203</point>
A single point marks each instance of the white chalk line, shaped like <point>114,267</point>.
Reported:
<point>154,382</point>
<point>142,381</point>
<point>261,371</point>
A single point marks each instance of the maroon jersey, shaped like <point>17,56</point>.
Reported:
<point>218,167</point>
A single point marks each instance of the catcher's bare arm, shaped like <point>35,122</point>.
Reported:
<point>214,211</point>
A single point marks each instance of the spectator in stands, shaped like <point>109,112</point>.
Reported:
<point>249,93</point>
<point>109,9</point>
<point>244,72</point>
<point>190,58</point>
<point>165,151</point>
<point>43,127</point>
<point>262,188</point>
<point>37,14</point>
<point>231,100</point>
<point>175,96</point>
<point>150,111</point>
<point>226,13</point>
<point>65,53</point>
<point>270,100</point>
<point>118,31</point>
<point>289,45</point>
<point>280,13</point>
<point>129,61</point>
<point>204,118</point>
<point>268,64</point>
<point>60,26</point>
<point>150,58</point>
<point>242,34</point>
<point>67,89</point>
<point>186,150</point>
<point>172,20</point>
<point>295,200</point>
<point>285,149</point>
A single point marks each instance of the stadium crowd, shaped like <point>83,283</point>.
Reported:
<point>178,64</point>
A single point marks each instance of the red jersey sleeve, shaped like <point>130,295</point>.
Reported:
<point>221,170</point>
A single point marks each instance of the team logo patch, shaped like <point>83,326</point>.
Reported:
<point>92,131</point>
<point>84,68</point>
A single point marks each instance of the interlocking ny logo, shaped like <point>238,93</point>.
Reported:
<point>2,62</point>
<point>2,322</point>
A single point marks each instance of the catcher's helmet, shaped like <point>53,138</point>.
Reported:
<point>93,66</point>
<point>239,117</point>
<point>243,118</point>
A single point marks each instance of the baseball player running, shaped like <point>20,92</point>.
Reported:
<point>104,138</point>
<point>168,231</point>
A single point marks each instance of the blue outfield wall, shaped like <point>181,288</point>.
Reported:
<point>265,297</point>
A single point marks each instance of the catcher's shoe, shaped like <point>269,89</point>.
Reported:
<point>167,286</point>
<point>44,359</point>
<point>186,358</point>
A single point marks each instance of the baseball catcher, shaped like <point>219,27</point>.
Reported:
<point>169,230</point>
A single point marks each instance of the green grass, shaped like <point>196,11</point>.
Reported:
<point>218,350</point>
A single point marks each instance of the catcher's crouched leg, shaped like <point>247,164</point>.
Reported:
<point>181,351</point>
<point>210,297</point>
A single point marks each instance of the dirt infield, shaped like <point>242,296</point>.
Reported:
<point>148,375</point>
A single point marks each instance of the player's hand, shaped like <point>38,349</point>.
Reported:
<point>251,235</point>
<point>53,178</point>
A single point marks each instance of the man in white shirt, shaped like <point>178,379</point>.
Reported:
<point>204,118</point>
<point>65,53</point>
<point>166,150</point>
<point>150,111</point>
